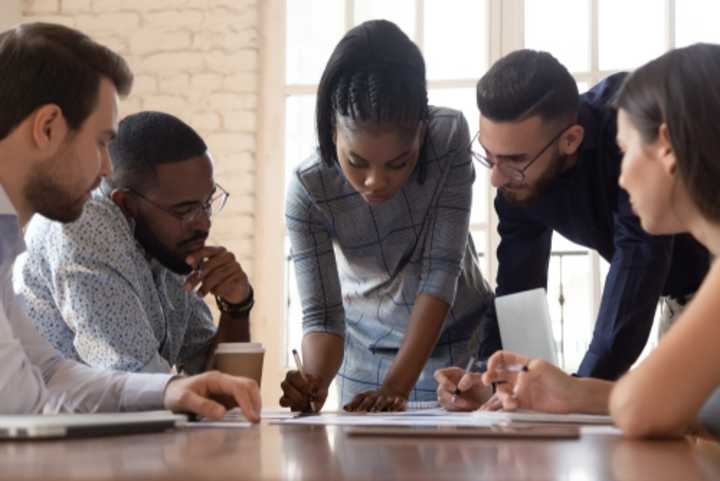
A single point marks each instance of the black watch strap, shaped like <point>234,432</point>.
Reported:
<point>236,310</point>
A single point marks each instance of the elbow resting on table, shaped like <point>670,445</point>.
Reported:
<point>641,418</point>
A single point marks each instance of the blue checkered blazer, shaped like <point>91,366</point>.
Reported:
<point>360,267</point>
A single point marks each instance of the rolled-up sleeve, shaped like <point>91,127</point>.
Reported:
<point>314,260</point>
<point>449,220</point>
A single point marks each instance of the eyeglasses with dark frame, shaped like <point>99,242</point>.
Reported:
<point>212,206</point>
<point>515,174</point>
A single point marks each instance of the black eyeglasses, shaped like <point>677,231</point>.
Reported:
<point>190,213</point>
<point>515,174</point>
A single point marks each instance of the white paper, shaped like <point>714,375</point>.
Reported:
<point>216,424</point>
<point>425,417</point>
<point>599,430</point>
<point>536,417</point>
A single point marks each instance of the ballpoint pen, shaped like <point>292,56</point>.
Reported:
<point>482,366</point>
<point>300,369</point>
<point>470,364</point>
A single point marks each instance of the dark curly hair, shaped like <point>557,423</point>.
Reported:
<point>375,74</point>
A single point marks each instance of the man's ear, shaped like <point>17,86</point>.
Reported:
<point>124,199</point>
<point>665,151</point>
<point>49,127</point>
<point>572,138</point>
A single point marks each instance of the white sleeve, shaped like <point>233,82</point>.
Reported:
<point>33,374</point>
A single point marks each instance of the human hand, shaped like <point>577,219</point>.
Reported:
<point>217,272</point>
<point>473,393</point>
<point>211,394</point>
<point>304,393</point>
<point>379,400</point>
<point>542,387</point>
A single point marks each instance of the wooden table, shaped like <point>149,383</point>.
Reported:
<point>303,452</point>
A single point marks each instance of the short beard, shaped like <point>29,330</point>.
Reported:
<point>159,251</point>
<point>48,198</point>
<point>555,168</point>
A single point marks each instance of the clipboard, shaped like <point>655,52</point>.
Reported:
<point>516,430</point>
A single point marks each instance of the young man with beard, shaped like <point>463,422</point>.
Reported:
<point>117,288</point>
<point>59,99</point>
<point>555,162</point>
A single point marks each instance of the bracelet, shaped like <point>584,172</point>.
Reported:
<point>236,310</point>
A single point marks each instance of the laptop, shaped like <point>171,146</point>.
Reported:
<point>525,324</point>
<point>50,426</point>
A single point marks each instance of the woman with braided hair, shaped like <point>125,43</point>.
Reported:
<point>378,220</point>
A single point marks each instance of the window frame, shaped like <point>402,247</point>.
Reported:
<point>506,24</point>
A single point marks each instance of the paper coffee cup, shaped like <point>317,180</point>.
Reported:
<point>240,359</point>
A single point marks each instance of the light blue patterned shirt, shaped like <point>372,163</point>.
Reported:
<point>93,293</point>
<point>360,267</point>
<point>34,376</point>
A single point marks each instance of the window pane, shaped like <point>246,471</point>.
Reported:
<point>400,12</point>
<point>569,297</point>
<point>456,38</point>
<point>618,22</point>
<point>314,27</point>
<point>570,274</point>
<point>549,24</point>
<point>691,22</point>
<point>463,99</point>
<point>294,308</point>
<point>300,139</point>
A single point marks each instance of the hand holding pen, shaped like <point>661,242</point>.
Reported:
<point>465,390</point>
<point>481,367</point>
<point>302,391</point>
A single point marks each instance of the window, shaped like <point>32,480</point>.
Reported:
<point>593,46</point>
<point>460,39</point>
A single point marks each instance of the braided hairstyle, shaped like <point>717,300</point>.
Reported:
<point>376,74</point>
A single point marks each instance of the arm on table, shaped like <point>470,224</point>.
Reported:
<point>664,394</point>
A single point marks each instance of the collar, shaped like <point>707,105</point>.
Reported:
<point>6,207</point>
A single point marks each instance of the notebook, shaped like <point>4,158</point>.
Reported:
<point>525,325</point>
<point>51,426</point>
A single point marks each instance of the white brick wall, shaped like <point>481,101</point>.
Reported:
<point>198,60</point>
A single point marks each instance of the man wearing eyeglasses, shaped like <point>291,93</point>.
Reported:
<point>555,162</point>
<point>122,287</point>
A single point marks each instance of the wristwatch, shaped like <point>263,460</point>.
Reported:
<point>236,310</point>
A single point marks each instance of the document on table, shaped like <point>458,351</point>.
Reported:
<point>537,417</point>
<point>422,417</point>
<point>236,419</point>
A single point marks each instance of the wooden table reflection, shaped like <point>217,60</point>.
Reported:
<point>316,453</point>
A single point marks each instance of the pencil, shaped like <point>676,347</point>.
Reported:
<point>470,364</point>
<point>298,364</point>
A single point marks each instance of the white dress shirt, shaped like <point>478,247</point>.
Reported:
<point>34,377</point>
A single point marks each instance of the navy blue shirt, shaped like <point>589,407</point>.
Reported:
<point>586,205</point>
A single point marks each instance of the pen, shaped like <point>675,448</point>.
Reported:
<point>470,364</point>
<point>483,367</point>
<point>298,364</point>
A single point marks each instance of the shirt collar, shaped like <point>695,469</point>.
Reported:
<point>6,207</point>
<point>11,240</point>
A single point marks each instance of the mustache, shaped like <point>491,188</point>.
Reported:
<point>197,236</point>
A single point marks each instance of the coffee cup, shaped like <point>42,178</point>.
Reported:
<point>240,359</point>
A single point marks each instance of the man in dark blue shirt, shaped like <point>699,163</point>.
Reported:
<point>556,164</point>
